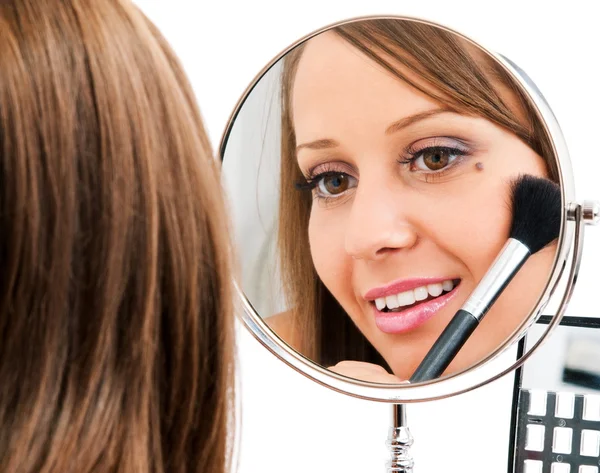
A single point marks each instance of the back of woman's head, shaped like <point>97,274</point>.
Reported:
<point>115,317</point>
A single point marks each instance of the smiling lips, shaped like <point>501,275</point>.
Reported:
<point>405,305</point>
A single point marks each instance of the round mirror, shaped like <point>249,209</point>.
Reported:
<point>371,171</point>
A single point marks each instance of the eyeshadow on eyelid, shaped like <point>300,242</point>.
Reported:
<point>560,468</point>
<point>533,466</point>
<point>565,403</point>
<point>331,166</point>
<point>535,438</point>
<point>562,440</point>
<point>590,443</point>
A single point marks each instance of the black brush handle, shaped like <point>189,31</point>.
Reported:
<point>446,347</point>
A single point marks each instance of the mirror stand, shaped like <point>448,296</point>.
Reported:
<point>399,441</point>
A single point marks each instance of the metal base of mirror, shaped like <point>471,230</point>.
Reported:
<point>399,441</point>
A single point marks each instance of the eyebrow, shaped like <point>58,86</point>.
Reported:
<point>417,117</point>
<point>407,121</point>
<point>318,144</point>
<point>393,128</point>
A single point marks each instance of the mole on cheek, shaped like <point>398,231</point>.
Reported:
<point>479,166</point>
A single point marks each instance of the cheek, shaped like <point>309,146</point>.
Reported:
<point>486,226</point>
<point>470,223</point>
<point>326,238</point>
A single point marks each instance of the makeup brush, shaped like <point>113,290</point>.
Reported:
<point>536,209</point>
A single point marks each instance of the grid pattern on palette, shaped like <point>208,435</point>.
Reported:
<point>557,433</point>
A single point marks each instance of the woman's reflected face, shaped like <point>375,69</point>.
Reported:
<point>411,204</point>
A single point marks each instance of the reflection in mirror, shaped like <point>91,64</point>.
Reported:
<point>369,173</point>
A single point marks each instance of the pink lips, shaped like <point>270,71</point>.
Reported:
<point>401,286</point>
<point>413,317</point>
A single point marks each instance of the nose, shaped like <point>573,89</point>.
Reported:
<point>379,223</point>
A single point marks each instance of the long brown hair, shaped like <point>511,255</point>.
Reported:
<point>115,303</point>
<point>458,75</point>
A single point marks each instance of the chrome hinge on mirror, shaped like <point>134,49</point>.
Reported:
<point>590,211</point>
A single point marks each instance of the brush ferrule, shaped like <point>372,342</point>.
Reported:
<point>503,269</point>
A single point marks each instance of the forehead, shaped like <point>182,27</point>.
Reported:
<point>335,80</point>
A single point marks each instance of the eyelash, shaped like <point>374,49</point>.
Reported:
<point>431,175</point>
<point>311,183</point>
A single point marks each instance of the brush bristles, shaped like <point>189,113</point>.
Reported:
<point>536,206</point>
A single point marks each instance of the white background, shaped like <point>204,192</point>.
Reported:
<point>288,423</point>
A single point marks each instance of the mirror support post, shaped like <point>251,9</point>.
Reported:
<point>399,441</point>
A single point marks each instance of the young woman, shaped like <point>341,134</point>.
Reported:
<point>402,139</point>
<point>116,337</point>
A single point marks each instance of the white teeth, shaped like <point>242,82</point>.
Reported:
<point>435,289</point>
<point>421,293</point>
<point>406,298</point>
<point>409,297</point>
<point>392,302</point>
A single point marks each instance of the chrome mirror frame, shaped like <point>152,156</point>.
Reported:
<point>564,272</point>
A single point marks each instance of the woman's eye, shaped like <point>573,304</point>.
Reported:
<point>335,184</point>
<point>435,159</point>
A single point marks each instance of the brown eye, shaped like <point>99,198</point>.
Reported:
<point>436,158</point>
<point>334,184</point>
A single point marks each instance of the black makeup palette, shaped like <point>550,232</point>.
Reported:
<point>556,414</point>
<point>558,433</point>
